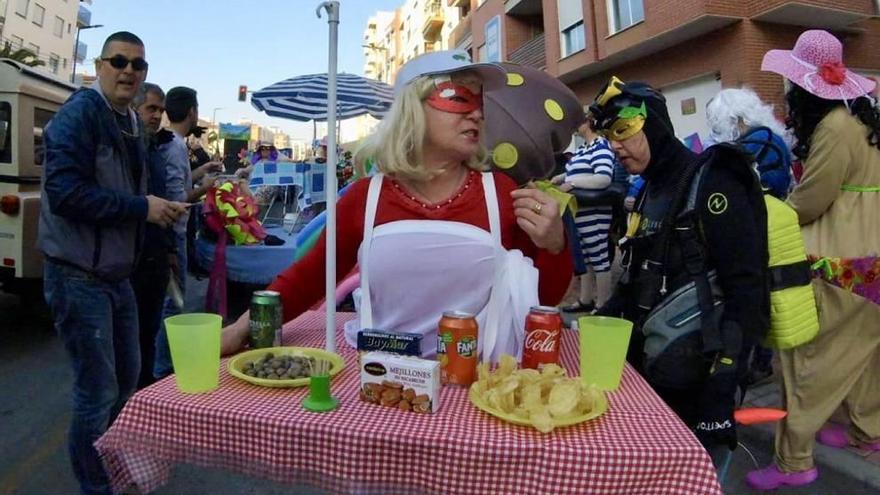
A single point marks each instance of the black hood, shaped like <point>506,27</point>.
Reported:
<point>668,154</point>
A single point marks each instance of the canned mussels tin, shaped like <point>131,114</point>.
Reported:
<point>266,319</point>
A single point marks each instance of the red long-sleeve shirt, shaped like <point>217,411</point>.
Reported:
<point>302,284</point>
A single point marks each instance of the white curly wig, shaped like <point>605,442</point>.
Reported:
<point>724,111</point>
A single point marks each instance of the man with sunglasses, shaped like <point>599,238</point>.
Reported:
<point>696,254</point>
<point>94,205</point>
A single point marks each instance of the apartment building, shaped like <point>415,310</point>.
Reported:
<point>48,28</point>
<point>416,27</point>
<point>690,49</point>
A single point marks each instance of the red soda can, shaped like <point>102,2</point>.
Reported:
<point>543,337</point>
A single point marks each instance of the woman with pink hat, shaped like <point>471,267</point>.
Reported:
<point>837,132</point>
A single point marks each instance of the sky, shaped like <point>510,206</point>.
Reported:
<point>213,46</point>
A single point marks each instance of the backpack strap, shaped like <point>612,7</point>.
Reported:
<point>654,266</point>
<point>693,251</point>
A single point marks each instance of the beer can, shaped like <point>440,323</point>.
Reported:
<point>543,337</point>
<point>457,348</point>
<point>266,319</point>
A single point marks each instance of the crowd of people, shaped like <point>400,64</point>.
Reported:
<point>118,191</point>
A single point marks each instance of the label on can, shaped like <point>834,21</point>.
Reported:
<point>457,348</point>
<point>266,319</point>
<point>543,337</point>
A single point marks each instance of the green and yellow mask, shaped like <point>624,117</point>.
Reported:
<point>619,111</point>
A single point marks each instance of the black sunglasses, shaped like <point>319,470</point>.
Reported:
<point>120,62</point>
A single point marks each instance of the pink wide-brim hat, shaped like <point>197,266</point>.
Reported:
<point>816,64</point>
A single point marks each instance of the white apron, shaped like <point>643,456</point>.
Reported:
<point>413,270</point>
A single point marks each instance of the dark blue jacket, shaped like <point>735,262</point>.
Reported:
<point>158,241</point>
<point>92,207</point>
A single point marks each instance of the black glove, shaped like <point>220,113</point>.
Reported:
<point>715,423</point>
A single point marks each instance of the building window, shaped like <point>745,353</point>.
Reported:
<point>54,62</point>
<point>17,42</point>
<point>69,27</point>
<point>64,63</point>
<point>58,28</point>
<point>573,39</point>
<point>39,13</point>
<point>5,132</point>
<point>34,48</point>
<point>41,119</point>
<point>625,13</point>
<point>21,7</point>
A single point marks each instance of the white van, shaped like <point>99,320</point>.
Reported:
<point>28,100</point>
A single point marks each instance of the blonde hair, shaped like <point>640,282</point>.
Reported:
<point>396,148</point>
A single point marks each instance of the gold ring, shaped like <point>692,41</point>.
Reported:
<point>537,208</point>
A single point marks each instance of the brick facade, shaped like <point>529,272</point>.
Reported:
<point>732,46</point>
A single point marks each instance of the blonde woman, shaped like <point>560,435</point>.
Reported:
<point>433,231</point>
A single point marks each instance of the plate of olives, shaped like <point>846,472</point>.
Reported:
<point>281,366</point>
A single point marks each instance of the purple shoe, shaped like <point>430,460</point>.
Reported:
<point>771,478</point>
<point>834,435</point>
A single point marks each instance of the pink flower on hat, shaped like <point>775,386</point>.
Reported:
<point>816,64</point>
<point>833,73</point>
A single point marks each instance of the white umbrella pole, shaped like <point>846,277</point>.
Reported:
<point>332,9</point>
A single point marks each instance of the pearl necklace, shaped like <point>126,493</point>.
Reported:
<point>427,206</point>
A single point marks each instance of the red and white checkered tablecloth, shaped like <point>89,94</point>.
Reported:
<point>637,447</point>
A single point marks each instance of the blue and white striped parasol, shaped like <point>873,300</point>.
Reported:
<point>305,98</point>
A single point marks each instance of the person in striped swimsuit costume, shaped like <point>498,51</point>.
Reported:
<point>592,167</point>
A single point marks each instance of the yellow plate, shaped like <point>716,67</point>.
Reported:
<point>601,407</point>
<point>237,364</point>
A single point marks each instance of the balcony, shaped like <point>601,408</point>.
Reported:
<point>81,52</point>
<point>460,33</point>
<point>83,17</point>
<point>433,21</point>
<point>523,7</point>
<point>833,15</point>
<point>531,53</point>
<point>458,3</point>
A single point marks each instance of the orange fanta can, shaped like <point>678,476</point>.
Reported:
<point>457,348</point>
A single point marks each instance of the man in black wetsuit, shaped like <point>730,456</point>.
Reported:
<point>715,241</point>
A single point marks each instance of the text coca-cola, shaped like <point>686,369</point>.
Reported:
<point>543,337</point>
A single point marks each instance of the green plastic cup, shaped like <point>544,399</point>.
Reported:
<point>194,340</point>
<point>604,342</point>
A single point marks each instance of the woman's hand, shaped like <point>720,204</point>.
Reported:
<point>566,187</point>
<point>233,337</point>
<point>557,179</point>
<point>538,215</point>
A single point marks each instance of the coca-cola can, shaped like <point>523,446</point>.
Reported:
<point>543,337</point>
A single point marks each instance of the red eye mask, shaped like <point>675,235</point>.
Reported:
<point>454,98</point>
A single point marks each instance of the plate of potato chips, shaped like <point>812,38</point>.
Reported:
<point>544,399</point>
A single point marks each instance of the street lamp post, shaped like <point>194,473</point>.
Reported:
<point>215,129</point>
<point>76,45</point>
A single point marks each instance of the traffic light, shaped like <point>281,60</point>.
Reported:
<point>242,93</point>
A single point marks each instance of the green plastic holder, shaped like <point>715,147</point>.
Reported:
<point>319,398</point>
